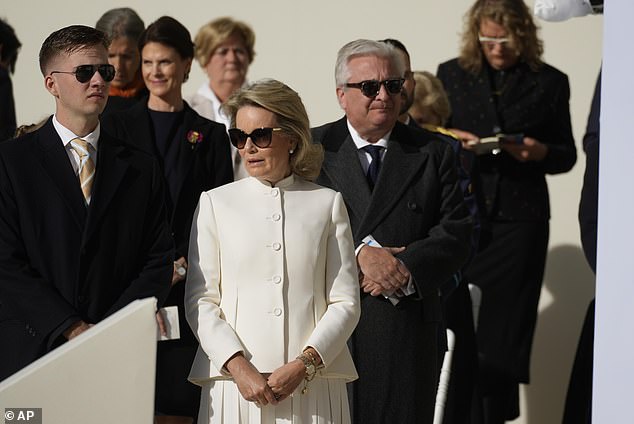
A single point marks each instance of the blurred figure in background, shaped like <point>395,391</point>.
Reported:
<point>500,85</point>
<point>224,49</point>
<point>124,27</point>
<point>430,105</point>
<point>194,153</point>
<point>9,47</point>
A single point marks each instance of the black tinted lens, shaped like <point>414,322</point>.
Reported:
<point>261,137</point>
<point>106,72</point>
<point>393,86</point>
<point>370,88</point>
<point>238,138</point>
<point>84,73</point>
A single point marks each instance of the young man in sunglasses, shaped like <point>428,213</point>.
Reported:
<point>82,221</point>
<point>411,232</point>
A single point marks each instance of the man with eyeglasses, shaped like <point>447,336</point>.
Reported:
<point>411,232</point>
<point>82,220</point>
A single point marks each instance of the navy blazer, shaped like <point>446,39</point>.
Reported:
<point>61,261</point>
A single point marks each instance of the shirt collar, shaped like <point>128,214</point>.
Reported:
<point>206,91</point>
<point>67,135</point>
<point>219,115</point>
<point>361,143</point>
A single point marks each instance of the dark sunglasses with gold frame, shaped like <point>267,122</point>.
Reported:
<point>261,137</point>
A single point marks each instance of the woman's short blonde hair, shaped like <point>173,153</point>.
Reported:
<point>291,116</point>
<point>430,99</point>
<point>216,32</point>
<point>516,18</point>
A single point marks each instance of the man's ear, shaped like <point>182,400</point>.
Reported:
<point>51,85</point>
<point>341,97</point>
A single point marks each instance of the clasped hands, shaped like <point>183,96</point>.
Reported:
<point>263,389</point>
<point>380,272</point>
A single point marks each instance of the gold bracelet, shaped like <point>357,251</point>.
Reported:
<point>313,358</point>
<point>309,365</point>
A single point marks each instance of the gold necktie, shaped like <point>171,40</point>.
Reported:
<point>86,166</point>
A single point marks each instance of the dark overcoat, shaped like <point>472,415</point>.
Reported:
<point>61,261</point>
<point>416,203</point>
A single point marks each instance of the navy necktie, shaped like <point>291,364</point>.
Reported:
<point>375,165</point>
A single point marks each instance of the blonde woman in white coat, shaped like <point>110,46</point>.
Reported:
<point>272,291</point>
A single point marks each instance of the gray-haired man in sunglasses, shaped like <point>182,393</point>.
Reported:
<point>410,227</point>
<point>82,220</point>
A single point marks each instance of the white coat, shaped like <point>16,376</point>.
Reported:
<point>272,271</point>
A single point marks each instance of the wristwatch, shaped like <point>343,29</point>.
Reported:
<point>180,269</point>
<point>311,369</point>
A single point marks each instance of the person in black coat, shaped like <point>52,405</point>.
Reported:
<point>195,157</point>
<point>81,236</point>
<point>500,85</point>
<point>578,407</point>
<point>408,220</point>
<point>9,47</point>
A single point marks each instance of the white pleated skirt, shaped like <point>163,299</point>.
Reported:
<point>326,402</point>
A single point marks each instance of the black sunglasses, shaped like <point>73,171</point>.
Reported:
<point>84,73</point>
<point>261,137</point>
<point>371,88</point>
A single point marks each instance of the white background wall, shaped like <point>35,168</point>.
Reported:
<point>297,42</point>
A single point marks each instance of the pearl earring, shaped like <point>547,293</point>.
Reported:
<point>291,151</point>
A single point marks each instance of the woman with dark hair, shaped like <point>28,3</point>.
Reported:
<point>124,27</point>
<point>9,47</point>
<point>194,153</point>
<point>500,85</point>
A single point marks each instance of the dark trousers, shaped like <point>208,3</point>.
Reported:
<point>509,271</point>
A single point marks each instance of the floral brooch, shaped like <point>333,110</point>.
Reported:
<point>194,138</point>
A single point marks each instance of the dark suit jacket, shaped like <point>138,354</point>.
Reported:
<point>534,103</point>
<point>417,203</point>
<point>201,166</point>
<point>61,261</point>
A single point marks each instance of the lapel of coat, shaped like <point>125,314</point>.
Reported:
<point>401,163</point>
<point>108,177</point>
<point>55,161</point>
<point>341,165</point>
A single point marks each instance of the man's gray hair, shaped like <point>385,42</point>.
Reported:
<point>363,47</point>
